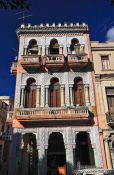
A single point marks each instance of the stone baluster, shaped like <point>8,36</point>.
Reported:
<point>71,95</point>
<point>38,96</point>
<point>62,96</point>
<point>87,99</point>
<point>22,97</point>
<point>107,151</point>
<point>46,96</point>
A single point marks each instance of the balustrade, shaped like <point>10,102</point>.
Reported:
<point>59,113</point>
<point>9,115</point>
<point>54,58</point>
<point>30,59</point>
<point>77,58</point>
<point>14,68</point>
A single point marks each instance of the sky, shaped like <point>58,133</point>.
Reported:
<point>98,14</point>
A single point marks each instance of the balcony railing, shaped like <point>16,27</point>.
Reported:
<point>14,68</point>
<point>110,118</point>
<point>57,60</point>
<point>9,115</point>
<point>30,60</point>
<point>53,113</point>
<point>77,58</point>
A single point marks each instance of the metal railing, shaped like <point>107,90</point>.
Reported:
<point>110,117</point>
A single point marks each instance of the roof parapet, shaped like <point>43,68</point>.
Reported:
<point>53,28</point>
<point>56,25</point>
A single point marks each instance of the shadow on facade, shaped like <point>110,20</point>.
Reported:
<point>28,158</point>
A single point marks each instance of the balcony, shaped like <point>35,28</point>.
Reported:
<point>52,61</point>
<point>110,118</point>
<point>62,113</point>
<point>31,61</point>
<point>77,60</point>
<point>9,116</point>
<point>14,68</point>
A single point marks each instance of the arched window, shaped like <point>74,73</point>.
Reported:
<point>54,93</point>
<point>33,47</point>
<point>30,94</point>
<point>54,47</point>
<point>75,46</point>
<point>78,92</point>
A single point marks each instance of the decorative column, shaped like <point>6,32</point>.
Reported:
<point>62,96</point>
<point>71,95</point>
<point>22,97</point>
<point>68,49</point>
<point>107,151</point>
<point>69,159</point>
<point>47,50</point>
<point>69,151</point>
<point>42,164</point>
<point>40,50</point>
<point>25,50</point>
<point>61,50</point>
<point>87,100</point>
<point>38,95</point>
<point>65,48</point>
<point>46,96</point>
<point>95,155</point>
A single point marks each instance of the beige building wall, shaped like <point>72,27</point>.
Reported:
<point>104,78</point>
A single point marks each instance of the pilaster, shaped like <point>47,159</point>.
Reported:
<point>38,96</point>
<point>62,96</point>
<point>22,97</point>
<point>107,151</point>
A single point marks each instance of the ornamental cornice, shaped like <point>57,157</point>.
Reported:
<point>53,29</point>
<point>50,34</point>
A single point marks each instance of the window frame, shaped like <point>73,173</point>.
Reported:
<point>106,66</point>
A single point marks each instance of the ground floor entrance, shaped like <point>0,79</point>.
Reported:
<point>54,151</point>
<point>56,156</point>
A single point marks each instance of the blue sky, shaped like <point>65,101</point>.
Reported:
<point>98,14</point>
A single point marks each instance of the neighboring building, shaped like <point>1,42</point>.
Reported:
<point>5,106</point>
<point>103,58</point>
<point>55,124</point>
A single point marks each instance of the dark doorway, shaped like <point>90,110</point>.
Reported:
<point>54,47</point>
<point>56,157</point>
<point>28,155</point>
<point>84,155</point>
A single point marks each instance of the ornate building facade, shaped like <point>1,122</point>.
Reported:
<point>55,124</point>
<point>103,54</point>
